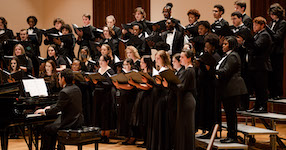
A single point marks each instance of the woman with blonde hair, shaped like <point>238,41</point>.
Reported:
<point>24,61</point>
<point>132,52</point>
<point>163,60</point>
<point>160,138</point>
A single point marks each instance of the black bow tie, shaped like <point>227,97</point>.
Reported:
<point>274,21</point>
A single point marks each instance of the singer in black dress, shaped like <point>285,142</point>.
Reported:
<point>160,139</point>
<point>185,125</point>
<point>104,99</point>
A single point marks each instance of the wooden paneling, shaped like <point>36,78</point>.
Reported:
<point>121,9</point>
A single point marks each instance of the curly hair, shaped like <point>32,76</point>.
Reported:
<point>194,12</point>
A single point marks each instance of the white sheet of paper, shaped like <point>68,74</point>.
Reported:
<point>36,87</point>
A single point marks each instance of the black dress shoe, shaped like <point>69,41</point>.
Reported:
<point>241,109</point>
<point>206,136</point>
<point>229,140</point>
<point>260,110</point>
<point>142,145</point>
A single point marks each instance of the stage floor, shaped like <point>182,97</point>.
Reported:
<point>262,142</point>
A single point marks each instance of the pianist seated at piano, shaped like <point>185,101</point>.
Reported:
<point>50,76</point>
<point>58,59</point>
<point>25,62</point>
<point>69,104</point>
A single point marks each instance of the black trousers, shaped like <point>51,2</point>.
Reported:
<point>230,105</point>
<point>259,83</point>
<point>49,135</point>
<point>276,76</point>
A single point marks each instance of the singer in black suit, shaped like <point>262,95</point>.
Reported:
<point>109,38</point>
<point>110,22</point>
<point>192,28</point>
<point>278,27</point>
<point>259,64</point>
<point>4,29</point>
<point>66,43</point>
<point>244,37</point>
<point>240,6</point>
<point>230,85</point>
<point>5,34</point>
<point>70,104</point>
<point>32,21</point>
<point>58,22</point>
<point>138,40</point>
<point>176,40</point>
<point>220,26</point>
<point>86,36</point>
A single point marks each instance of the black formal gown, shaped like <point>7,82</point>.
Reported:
<point>139,117</point>
<point>160,127</point>
<point>185,125</point>
<point>103,107</point>
<point>173,108</point>
<point>125,105</point>
<point>206,106</point>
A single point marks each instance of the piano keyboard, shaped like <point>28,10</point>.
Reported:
<point>33,115</point>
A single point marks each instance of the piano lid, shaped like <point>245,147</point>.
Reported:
<point>10,88</point>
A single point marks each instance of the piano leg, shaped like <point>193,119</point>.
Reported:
<point>30,145</point>
<point>36,133</point>
<point>4,139</point>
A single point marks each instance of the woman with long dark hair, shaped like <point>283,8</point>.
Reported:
<point>104,112</point>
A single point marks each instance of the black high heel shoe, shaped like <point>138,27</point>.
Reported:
<point>125,142</point>
<point>104,139</point>
<point>132,141</point>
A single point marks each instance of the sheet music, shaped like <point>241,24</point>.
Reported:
<point>36,87</point>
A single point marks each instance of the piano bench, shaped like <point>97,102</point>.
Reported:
<point>80,137</point>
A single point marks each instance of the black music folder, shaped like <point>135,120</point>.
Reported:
<point>170,76</point>
<point>121,78</point>
<point>136,76</point>
<point>5,75</point>
<point>95,76</point>
<point>127,26</point>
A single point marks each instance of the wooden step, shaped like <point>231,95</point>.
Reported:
<point>252,130</point>
<point>203,143</point>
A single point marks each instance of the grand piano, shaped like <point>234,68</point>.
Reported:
<point>16,110</point>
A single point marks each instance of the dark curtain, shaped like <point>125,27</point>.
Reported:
<point>260,8</point>
<point>121,9</point>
